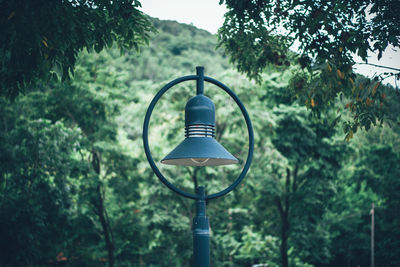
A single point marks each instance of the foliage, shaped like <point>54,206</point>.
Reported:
<point>326,30</point>
<point>300,185</point>
<point>40,40</point>
<point>76,189</point>
<point>37,190</point>
<point>382,178</point>
<point>258,34</point>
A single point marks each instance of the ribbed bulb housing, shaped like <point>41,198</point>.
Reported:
<point>199,147</point>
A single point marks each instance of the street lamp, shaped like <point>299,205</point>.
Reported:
<point>199,148</point>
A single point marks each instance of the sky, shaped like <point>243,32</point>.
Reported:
<point>209,15</point>
<point>204,14</point>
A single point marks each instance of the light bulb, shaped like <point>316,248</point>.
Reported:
<point>199,161</point>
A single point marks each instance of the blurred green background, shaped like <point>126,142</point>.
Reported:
<point>76,189</point>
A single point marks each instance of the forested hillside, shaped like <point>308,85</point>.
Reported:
<point>76,188</point>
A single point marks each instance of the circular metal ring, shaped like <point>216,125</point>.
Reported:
<point>146,141</point>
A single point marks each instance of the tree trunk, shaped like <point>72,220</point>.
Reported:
<point>284,232</point>
<point>102,213</point>
<point>106,229</point>
<point>284,256</point>
<point>141,263</point>
<point>283,209</point>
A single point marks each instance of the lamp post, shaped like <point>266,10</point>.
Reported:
<point>199,148</point>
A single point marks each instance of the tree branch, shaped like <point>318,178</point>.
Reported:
<point>295,171</point>
<point>279,206</point>
<point>378,66</point>
<point>287,193</point>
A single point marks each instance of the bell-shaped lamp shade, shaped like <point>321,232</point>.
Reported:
<point>199,151</point>
<point>199,147</point>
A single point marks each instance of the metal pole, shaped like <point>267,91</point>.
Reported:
<point>200,80</point>
<point>372,235</point>
<point>201,232</point>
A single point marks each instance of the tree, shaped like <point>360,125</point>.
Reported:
<point>305,185</point>
<point>40,40</point>
<point>81,171</point>
<point>37,185</point>
<point>258,33</point>
<point>381,177</point>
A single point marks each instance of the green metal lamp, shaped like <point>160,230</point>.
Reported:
<point>199,147</point>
